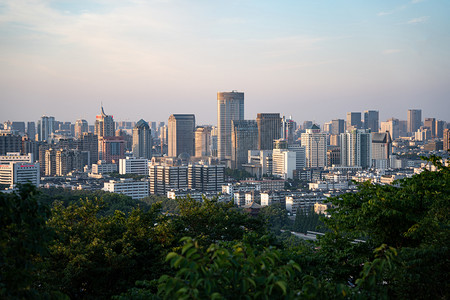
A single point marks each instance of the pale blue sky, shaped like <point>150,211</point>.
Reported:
<point>314,60</point>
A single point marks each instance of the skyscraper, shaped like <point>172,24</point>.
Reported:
<point>81,126</point>
<point>430,123</point>
<point>104,125</point>
<point>337,126</point>
<point>203,141</point>
<point>315,143</point>
<point>230,106</point>
<point>31,131</point>
<point>371,118</point>
<point>287,129</point>
<point>269,129</point>
<point>46,128</point>
<point>142,140</point>
<point>244,137</point>
<point>181,134</point>
<point>354,120</point>
<point>414,120</point>
<point>381,150</point>
<point>356,148</point>
<point>392,126</point>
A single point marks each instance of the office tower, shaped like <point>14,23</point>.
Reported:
<point>354,120</point>
<point>10,143</point>
<point>46,128</point>
<point>244,137</point>
<point>206,178</point>
<point>439,127</point>
<point>335,140</point>
<point>381,150</point>
<point>430,124</point>
<point>18,126</point>
<point>181,134</point>
<point>315,143</point>
<point>133,165</point>
<point>203,141</point>
<point>337,126</point>
<point>356,148</point>
<point>414,120</point>
<point>392,126</point>
<point>214,141</point>
<point>142,140</point>
<point>30,146</point>
<point>104,125</point>
<point>128,138</point>
<point>446,135</point>
<point>327,127</point>
<point>300,158</point>
<point>287,129</point>
<point>111,148</point>
<point>269,129</point>
<point>89,142</point>
<point>13,173</point>
<point>333,156</point>
<point>307,125</point>
<point>31,130</point>
<point>284,163</point>
<point>422,134</point>
<point>166,178</point>
<point>81,126</point>
<point>230,106</point>
<point>371,118</point>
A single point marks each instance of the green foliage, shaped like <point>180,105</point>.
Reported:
<point>308,221</point>
<point>100,256</point>
<point>167,205</point>
<point>237,174</point>
<point>275,216</point>
<point>23,236</point>
<point>210,221</point>
<point>239,272</point>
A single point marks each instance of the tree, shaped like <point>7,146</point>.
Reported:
<point>275,216</point>
<point>23,237</point>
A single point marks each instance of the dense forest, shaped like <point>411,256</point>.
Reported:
<point>382,242</point>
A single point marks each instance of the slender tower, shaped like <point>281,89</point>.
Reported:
<point>230,106</point>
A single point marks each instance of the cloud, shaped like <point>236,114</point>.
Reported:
<point>418,20</point>
<point>385,13</point>
<point>391,51</point>
<point>416,1</point>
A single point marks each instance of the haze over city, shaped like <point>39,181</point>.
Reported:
<point>314,60</point>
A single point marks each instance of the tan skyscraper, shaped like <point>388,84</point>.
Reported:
<point>181,134</point>
<point>230,106</point>
<point>269,129</point>
<point>315,143</point>
<point>203,141</point>
<point>104,125</point>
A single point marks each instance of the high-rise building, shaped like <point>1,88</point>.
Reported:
<point>203,141</point>
<point>206,178</point>
<point>133,165</point>
<point>392,126</point>
<point>269,129</point>
<point>104,125</point>
<point>356,148</point>
<point>12,173</point>
<point>31,131</point>
<point>50,162</point>
<point>333,156</point>
<point>67,160</point>
<point>284,163</point>
<point>414,120</point>
<point>181,134</point>
<point>430,124</point>
<point>315,143</point>
<point>287,129</point>
<point>230,106</point>
<point>381,150</point>
<point>46,128</point>
<point>354,120</point>
<point>166,178</point>
<point>142,140</point>
<point>111,148</point>
<point>337,126</point>
<point>371,119</point>
<point>446,134</point>
<point>89,142</point>
<point>10,143</point>
<point>439,129</point>
<point>81,126</point>
<point>244,137</point>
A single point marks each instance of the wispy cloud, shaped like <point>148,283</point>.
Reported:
<point>391,51</point>
<point>418,20</point>
<point>416,1</point>
<point>390,12</point>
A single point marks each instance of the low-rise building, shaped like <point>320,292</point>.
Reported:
<point>129,187</point>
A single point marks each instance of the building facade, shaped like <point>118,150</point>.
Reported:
<point>104,125</point>
<point>244,137</point>
<point>356,148</point>
<point>181,139</point>
<point>371,120</point>
<point>230,106</point>
<point>315,143</point>
<point>414,120</point>
<point>142,140</point>
<point>269,129</point>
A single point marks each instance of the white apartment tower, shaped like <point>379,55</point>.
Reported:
<point>315,143</point>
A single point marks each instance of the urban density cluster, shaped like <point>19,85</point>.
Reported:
<point>296,164</point>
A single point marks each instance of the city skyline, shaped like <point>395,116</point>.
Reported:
<point>142,59</point>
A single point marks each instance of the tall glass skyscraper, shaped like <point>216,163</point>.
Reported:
<point>230,106</point>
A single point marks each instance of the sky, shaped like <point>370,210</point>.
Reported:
<point>309,59</point>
